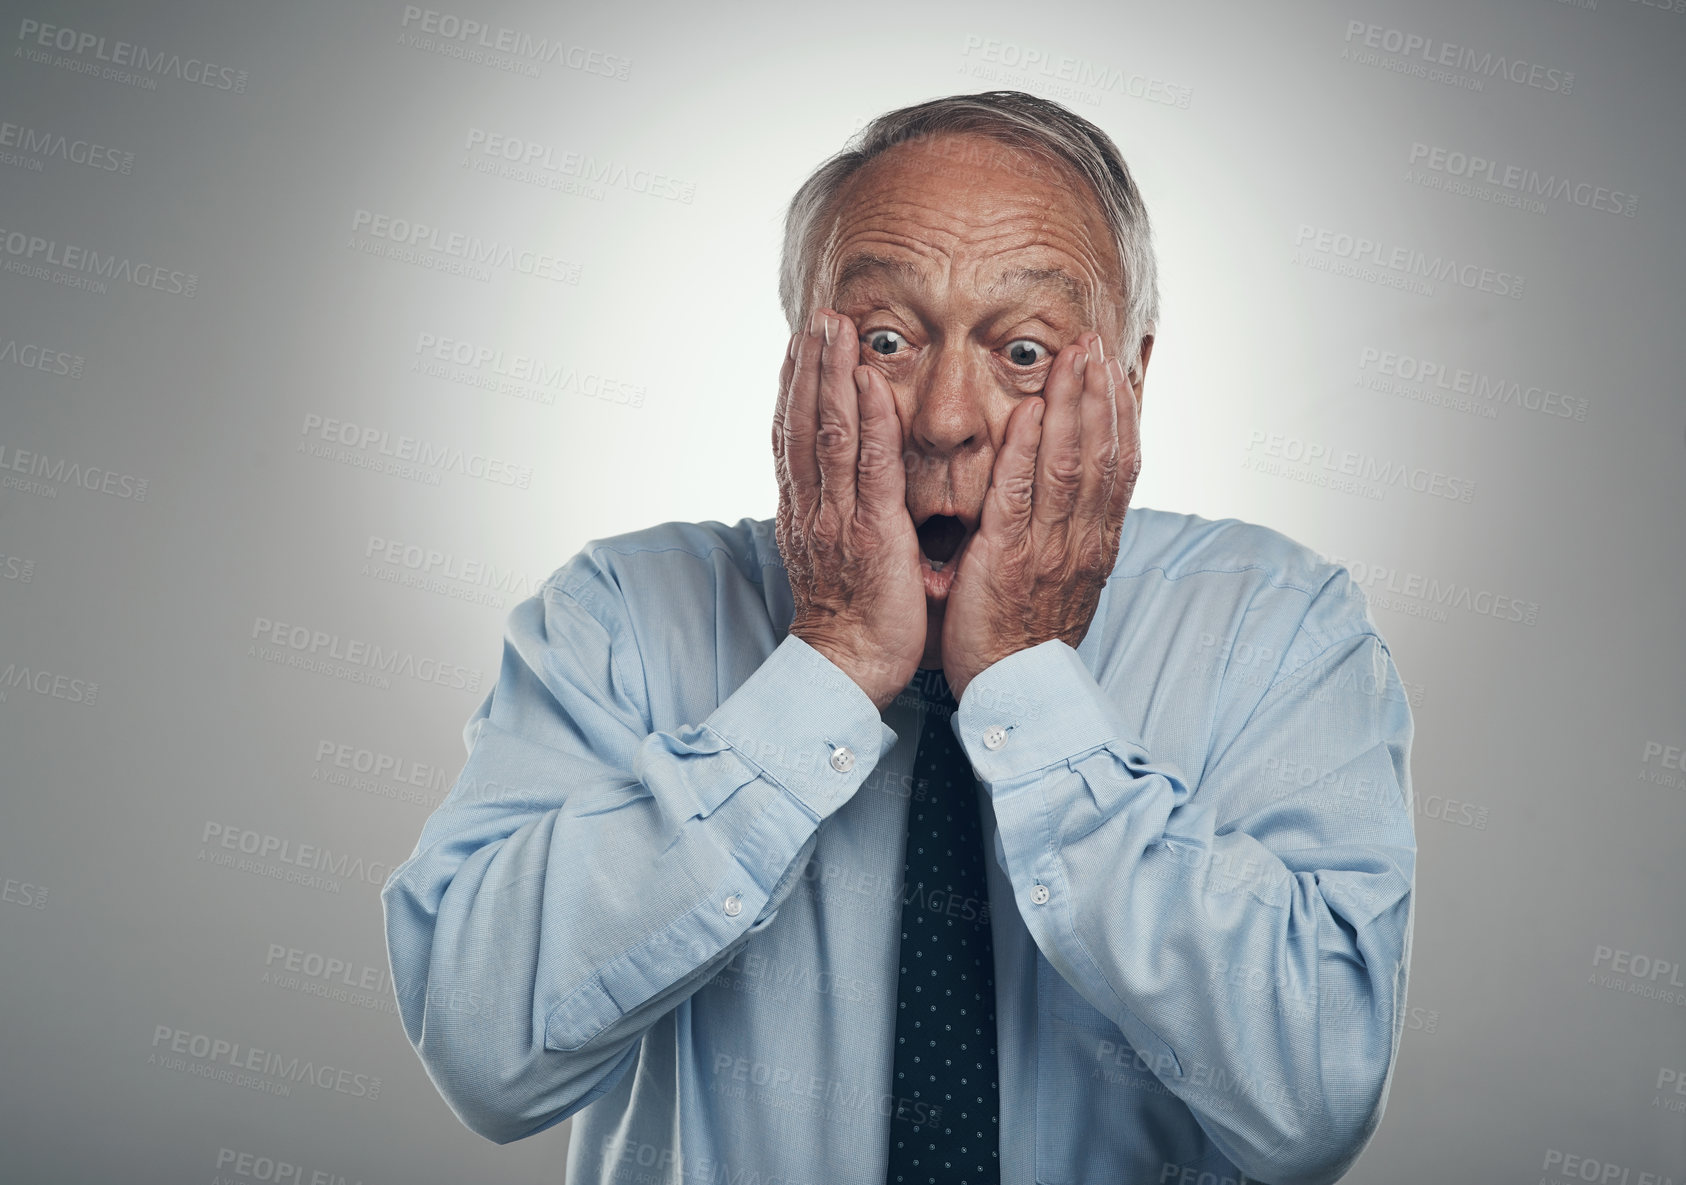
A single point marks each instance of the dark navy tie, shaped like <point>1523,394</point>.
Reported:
<point>946,1123</point>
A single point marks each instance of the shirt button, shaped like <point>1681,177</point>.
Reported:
<point>994,737</point>
<point>733,906</point>
<point>842,759</point>
<point>1039,894</point>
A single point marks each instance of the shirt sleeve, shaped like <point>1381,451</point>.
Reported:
<point>1249,936</point>
<point>588,872</point>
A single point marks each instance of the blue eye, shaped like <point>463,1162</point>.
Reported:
<point>1024,352</point>
<point>885,341</point>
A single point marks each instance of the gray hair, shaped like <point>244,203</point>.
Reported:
<point>1014,118</point>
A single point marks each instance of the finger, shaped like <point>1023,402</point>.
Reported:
<point>1007,504</point>
<point>1129,442</point>
<point>1099,417</point>
<point>1059,464</point>
<point>837,441</point>
<point>882,479</point>
<point>781,405</point>
<point>801,415</point>
<point>1124,383</point>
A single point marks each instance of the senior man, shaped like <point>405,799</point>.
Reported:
<point>953,825</point>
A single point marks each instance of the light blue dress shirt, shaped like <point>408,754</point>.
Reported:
<point>664,897</point>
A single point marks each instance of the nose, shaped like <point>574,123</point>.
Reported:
<point>948,401</point>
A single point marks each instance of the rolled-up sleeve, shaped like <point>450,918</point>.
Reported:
<point>1250,936</point>
<point>588,871</point>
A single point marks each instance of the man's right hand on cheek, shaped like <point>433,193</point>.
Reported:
<point>843,526</point>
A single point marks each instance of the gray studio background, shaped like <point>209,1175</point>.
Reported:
<point>327,332</point>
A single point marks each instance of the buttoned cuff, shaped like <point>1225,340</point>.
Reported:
<point>1031,709</point>
<point>806,726</point>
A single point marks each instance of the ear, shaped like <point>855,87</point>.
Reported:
<point>1139,377</point>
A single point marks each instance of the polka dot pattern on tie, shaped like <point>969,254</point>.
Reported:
<point>945,1127</point>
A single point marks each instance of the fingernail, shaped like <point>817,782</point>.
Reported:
<point>816,324</point>
<point>790,350</point>
<point>828,331</point>
<point>1100,350</point>
<point>1036,413</point>
<point>862,377</point>
<point>1080,363</point>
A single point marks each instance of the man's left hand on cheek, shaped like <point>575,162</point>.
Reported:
<point>1049,531</point>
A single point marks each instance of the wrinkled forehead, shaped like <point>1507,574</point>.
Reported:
<point>969,216</point>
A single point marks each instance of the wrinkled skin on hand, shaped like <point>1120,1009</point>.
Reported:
<point>843,528</point>
<point>1049,532</point>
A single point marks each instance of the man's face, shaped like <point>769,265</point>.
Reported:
<point>966,265</point>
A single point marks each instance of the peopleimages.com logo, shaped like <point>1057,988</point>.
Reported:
<point>124,61</point>
<point>503,48</point>
<point>1406,261</point>
<point>1522,181</point>
<point>1421,56</point>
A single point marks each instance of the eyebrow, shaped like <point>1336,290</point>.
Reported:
<point>859,267</point>
<point>1032,277</point>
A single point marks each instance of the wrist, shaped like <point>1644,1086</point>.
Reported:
<point>964,672</point>
<point>872,676</point>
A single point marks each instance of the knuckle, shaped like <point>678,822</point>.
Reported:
<point>825,532</point>
<point>833,437</point>
<point>1130,465</point>
<point>1092,556</point>
<point>876,456</point>
<point>1065,473</point>
<point>1016,491</point>
<point>1109,469</point>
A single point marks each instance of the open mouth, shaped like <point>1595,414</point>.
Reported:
<point>943,539</point>
<point>940,537</point>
